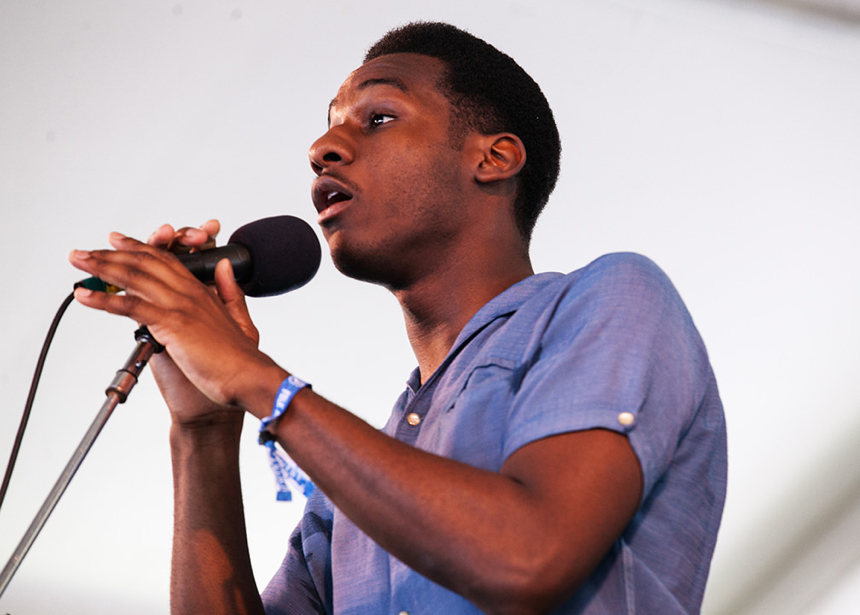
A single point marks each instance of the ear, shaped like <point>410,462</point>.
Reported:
<point>503,157</point>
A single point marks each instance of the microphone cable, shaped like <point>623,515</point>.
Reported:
<point>32,395</point>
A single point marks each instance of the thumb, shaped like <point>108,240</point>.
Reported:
<point>234,299</point>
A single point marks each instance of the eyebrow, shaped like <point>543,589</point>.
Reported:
<point>368,83</point>
<point>392,81</point>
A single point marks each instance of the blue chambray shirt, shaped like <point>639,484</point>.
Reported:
<point>609,346</point>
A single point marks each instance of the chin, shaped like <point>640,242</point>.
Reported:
<point>367,265</point>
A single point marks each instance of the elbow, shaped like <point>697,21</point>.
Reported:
<point>523,586</point>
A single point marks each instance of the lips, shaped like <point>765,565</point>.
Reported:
<point>328,191</point>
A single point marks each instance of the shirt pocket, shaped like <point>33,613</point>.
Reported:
<point>473,425</point>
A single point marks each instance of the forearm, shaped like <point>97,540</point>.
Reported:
<point>443,519</point>
<point>211,568</point>
<point>485,535</point>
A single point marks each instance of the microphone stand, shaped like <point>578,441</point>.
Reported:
<point>117,393</point>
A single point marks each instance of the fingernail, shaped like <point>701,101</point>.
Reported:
<point>80,254</point>
<point>115,235</point>
<point>82,292</point>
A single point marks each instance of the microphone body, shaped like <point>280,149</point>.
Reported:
<point>202,264</point>
<point>270,256</point>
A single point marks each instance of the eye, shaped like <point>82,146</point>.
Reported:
<point>378,119</point>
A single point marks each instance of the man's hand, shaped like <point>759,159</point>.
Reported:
<point>210,339</point>
<point>177,391</point>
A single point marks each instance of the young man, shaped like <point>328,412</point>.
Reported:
<point>561,445</point>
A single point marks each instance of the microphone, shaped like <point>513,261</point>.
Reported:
<point>270,257</point>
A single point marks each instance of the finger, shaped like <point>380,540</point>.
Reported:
<point>211,227</point>
<point>162,236</point>
<point>86,260</point>
<point>234,299</point>
<point>189,239</point>
<point>225,282</point>
<point>122,305</point>
<point>166,237</point>
<point>121,242</point>
<point>190,236</point>
<point>137,267</point>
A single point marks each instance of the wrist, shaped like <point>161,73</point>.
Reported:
<point>284,396</point>
<point>214,425</point>
<point>258,392</point>
<point>212,441</point>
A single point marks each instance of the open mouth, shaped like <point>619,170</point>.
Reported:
<point>328,191</point>
<point>336,197</point>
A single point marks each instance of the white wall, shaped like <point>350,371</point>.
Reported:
<point>722,140</point>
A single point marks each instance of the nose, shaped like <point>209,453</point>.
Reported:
<point>330,149</point>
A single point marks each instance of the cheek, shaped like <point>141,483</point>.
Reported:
<point>416,186</point>
<point>402,189</point>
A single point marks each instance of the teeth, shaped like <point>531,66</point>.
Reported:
<point>332,195</point>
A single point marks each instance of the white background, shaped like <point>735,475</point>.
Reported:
<point>721,139</point>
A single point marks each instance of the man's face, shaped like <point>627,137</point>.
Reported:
<point>390,190</point>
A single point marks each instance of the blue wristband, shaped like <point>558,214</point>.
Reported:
<point>288,389</point>
<point>284,468</point>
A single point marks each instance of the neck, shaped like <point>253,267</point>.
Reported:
<point>438,306</point>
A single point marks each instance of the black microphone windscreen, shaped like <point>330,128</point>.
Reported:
<point>285,254</point>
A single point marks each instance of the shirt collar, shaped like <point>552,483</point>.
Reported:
<point>505,303</point>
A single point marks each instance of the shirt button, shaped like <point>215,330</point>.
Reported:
<point>403,613</point>
<point>626,418</point>
<point>413,419</point>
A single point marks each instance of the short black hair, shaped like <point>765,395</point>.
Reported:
<point>489,92</point>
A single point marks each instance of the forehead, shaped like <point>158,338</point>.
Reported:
<point>415,75</point>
